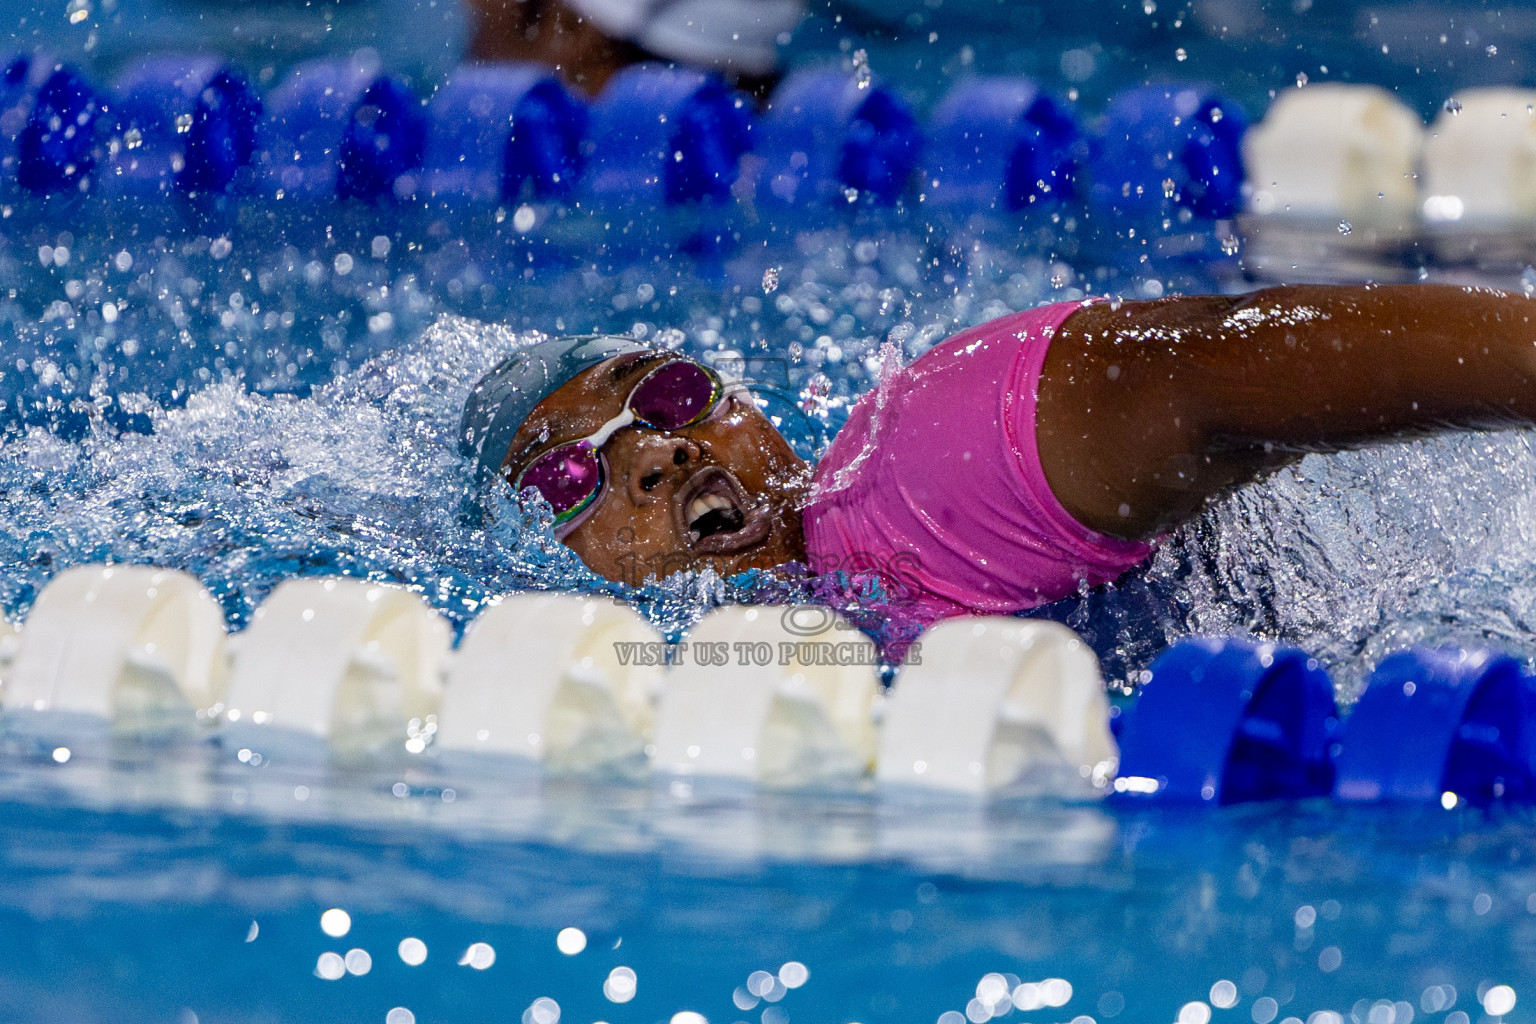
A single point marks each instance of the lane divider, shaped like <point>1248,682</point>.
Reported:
<point>1162,148</point>
<point>342,128</point>
<point>499,132</point>
<point>742,703</point>
<point>1332,168</point>
<point>130,647</point>
<point>1472,717</point>
<point>772,696</point>
<point>340,661</point>
<point>1002,144</point>
<point>830,137</point>
<point>1479,182</point>
<point>556,678</point>
<point>662,136</point>
<point>188,120</point>
<point>1334,151</point>
<point>1230,721</point>
<point>998,704</point>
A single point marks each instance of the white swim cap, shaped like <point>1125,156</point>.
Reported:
<point>732,35</point>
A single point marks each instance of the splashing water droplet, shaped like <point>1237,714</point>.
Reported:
<point>1180,54</point>
<point>861,73</point>
<point>813,397</point>
<point>1345,227</point>
<point>1492,51</point>
<point>851,194</point>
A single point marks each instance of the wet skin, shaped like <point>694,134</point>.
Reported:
<point>647,524</point>
<point>1147,410</point>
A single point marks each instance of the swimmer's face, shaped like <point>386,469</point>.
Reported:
<point>723,492</point>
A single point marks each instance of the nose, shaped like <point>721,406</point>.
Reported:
<point>658,459</point>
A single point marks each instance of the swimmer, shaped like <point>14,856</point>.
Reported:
<point>1013,463</point>
<point>589,41</point>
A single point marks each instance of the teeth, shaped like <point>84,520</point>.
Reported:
<point>706,503</point>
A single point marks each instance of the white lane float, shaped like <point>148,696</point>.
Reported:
<point>1332,176</point>
<point>1335,150</point>
<point>556,678</point>
<point>132,647</point>
<point>999,704</point>
<point>9,640</point>
<point>753,697</point>
<point>340,661</point>
<point>1479,177</point>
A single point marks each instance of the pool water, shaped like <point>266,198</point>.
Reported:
<point>254,390</point>
<point>115,906</point>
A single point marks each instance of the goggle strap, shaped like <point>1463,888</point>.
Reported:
<point>613,426</point>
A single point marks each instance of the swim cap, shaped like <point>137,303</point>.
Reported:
<point>503,398</point>
<point>735,35</point>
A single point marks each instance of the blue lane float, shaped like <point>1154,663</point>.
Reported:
<point>830,137</point>
<point>1230,721</point>
<point>1001,144</point>
<point>666,136</point>
<point>1441,726</point>
<point>501,132</point>
<point>341,128</point>
<point>1169,147</point>
<point>185,123</point>
<point>19,79</point>
<point>17,86</point>
<point>53,125</point>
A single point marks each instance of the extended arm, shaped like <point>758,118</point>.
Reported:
<point>1146,409</point>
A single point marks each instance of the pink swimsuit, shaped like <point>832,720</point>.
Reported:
<point>935,484</point>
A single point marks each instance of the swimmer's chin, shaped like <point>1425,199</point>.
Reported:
<point>780,545</point>
<point>762,558</point>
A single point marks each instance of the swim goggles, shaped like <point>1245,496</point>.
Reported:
<point>573,475</point>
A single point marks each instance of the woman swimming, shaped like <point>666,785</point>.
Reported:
<point>1011,464</point>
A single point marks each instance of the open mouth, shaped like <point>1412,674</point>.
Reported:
<point>715,515</point>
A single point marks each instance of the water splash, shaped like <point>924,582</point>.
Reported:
<point>1354,555</point>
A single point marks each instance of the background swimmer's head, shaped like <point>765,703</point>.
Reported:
<point>722,492</point>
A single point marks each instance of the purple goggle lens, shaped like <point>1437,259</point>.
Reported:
<point>570,476</point>
<point>674,395</point>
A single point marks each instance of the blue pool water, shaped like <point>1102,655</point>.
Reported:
<point>115,909</point>
<point>252,391</point>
